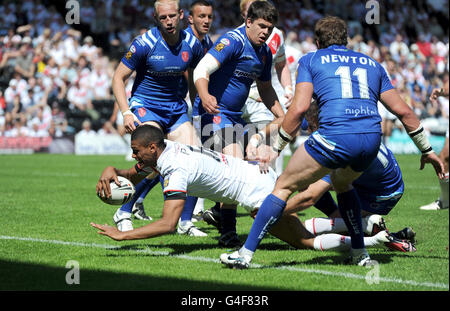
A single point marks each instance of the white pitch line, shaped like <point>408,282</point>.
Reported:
<point>206,259</point>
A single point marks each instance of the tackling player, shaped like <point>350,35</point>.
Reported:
<point>160,58</point>
<point>223,79</point>
<point>347,86</point>
<point>201,172</point>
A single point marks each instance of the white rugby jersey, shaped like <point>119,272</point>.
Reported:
<point>208,174</point>
<point>254,111</point>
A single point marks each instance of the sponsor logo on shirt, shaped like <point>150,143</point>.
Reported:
<point>157,57</point>
<point>128,55</point>
<point>219,47</point>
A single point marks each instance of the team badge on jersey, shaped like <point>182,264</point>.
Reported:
<point>142,112</point>
<point>185,56</point>
<point>217,119</point>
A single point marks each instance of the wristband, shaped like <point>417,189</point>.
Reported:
<point>127,112</point>
<point>256,142</point>
<point>421,141</point>
<point>282,140</point>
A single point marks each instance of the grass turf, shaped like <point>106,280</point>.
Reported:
<point>48,201</point>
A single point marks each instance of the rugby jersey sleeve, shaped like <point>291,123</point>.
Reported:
<point>227,47</point>
<point>304,69</point>
<point>136,54</point>
<point>175,184</point>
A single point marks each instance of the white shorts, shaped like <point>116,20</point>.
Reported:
<point>258,187</point>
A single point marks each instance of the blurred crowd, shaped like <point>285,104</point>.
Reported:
<point>50,69</point>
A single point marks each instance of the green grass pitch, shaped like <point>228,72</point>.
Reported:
<point>48,201</point>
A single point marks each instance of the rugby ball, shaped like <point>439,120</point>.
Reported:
<point>120,194</point>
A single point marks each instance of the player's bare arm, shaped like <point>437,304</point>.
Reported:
<point>393,102</point>
<point>204,69</point>
<point>121,75</point>
<point>167,224</point>
<point>284,76</point>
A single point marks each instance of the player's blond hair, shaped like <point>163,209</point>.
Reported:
<point>159,2</point>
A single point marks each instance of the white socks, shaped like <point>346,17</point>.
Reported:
<point>318,226</point>
<point>199,207</point>
<point>337,242</point>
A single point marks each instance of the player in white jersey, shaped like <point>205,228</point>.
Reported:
<point>202,172</point>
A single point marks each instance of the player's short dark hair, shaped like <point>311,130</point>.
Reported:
<point>264,10</point>
<point>147,134</point>
<point>199,2</point>
<point>330,30</point>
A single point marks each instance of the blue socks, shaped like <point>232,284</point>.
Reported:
<point>326,204</point>
<point>188,209</point>
<point>350,209</point>
<point>144,186</point>
<point>270,211</point>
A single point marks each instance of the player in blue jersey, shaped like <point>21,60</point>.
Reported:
<point>200,19</point>
<point>160,58</point>
<point>223,79</point>
<point>347,86</point>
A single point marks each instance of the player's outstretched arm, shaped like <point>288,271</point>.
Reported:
<point>395,104</point>
<point>167,224</point>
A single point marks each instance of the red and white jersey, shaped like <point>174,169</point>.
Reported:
<point>218,177</point>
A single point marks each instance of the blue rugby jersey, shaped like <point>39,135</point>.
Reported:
<point>160,67</point>
<point>347,87</point>
<point>241,63</point>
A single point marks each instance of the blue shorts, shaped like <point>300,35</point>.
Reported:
<point>169,116</point>
<point>227,129</point>
<point>339,151</point>
<point>380,204</point>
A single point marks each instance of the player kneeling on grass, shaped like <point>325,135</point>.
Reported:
<point>201,172</point>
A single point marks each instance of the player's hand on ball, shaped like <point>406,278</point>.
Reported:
<point>103,188</point>
<point>109,231</point>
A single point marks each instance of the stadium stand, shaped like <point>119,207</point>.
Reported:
<point>59,70</point>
